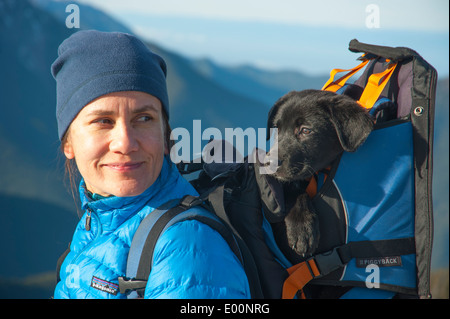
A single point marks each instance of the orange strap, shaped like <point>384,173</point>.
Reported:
<point>373,89</point>
<point>304,272</point>
<point>299,276</point>
<point>375,86</point>
<point>311,189</point>
<point>333,86</point>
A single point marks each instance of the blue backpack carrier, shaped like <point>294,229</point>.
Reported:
<point>374,205</point>
<point>381,194</point>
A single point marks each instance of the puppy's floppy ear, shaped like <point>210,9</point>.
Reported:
<point>274,110</point>
<point>352,122</point>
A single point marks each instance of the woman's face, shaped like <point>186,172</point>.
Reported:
<point>117,141</point>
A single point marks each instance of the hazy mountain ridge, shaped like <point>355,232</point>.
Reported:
<point>262,85</point>
<point>37,209</point>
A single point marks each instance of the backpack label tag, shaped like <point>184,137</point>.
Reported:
<point>379,261</point>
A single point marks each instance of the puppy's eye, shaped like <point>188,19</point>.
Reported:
<point>302,130</point>
<point>305,131</point>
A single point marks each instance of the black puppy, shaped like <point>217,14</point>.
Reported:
<point>314,128</point>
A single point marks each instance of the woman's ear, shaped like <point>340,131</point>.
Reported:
<point>68,149</point>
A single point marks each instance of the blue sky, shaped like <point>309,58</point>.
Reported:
<point>309,36</point>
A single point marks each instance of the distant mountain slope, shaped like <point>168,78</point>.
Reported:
<point>261,85</point>
<point>34,234</point>
<point>194,96</point>
<point>29,39</point>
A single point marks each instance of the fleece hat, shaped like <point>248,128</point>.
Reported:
<point>93,63</point>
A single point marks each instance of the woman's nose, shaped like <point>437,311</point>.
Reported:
<point>123,139</point>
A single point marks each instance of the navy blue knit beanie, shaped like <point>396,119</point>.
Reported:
<point>93,63</point>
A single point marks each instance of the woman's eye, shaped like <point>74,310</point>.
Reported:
<point>144,118</point>
<point>103,121</point>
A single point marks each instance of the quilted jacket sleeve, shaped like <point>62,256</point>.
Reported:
<point>191,261</point>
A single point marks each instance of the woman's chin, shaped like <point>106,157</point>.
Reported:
<point>128,188</point>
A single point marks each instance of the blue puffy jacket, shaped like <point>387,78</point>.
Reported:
<point>191,260</point>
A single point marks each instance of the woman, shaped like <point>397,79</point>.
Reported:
<point>112,114</point>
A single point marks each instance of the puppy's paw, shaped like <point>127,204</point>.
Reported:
<point>302,227</point>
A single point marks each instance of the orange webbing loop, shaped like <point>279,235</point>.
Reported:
<point>375,86</point>
<point>333,86</point>
<point>299,276</point>
<point>311,189</point>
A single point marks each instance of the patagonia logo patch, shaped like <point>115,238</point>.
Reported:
<point>104,285</point>
<point>379,261</point>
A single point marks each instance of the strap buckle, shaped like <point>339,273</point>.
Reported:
<point>130,284</point>
<point>314,267</point>
<point>328,261</point>
<point>190,201</point>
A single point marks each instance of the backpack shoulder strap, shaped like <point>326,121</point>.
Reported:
<point>140,257</point>
<point>60,262</point>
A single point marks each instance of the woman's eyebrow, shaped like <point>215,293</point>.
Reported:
<point>100,113</point>
<point>145,108</point>
<point>140,109</point>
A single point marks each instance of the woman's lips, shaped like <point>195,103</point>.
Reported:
<point>124,167</point>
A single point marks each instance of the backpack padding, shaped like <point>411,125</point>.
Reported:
<point>241,206</point>
<point>216,199</point>
<point>423,98</point>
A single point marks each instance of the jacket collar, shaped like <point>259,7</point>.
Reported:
<point>112,211</point>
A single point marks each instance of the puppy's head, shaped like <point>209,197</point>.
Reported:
<point>314,127</point>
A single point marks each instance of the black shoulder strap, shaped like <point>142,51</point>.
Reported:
<point>167,218</point>
<point>216,199</point>
<point>59,263</point>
